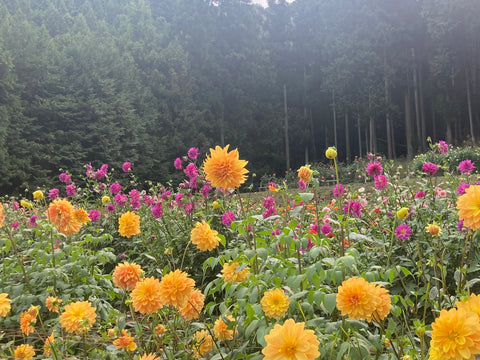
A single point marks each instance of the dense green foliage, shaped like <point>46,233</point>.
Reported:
<point>136,80</point>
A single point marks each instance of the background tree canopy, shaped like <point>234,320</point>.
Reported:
<point>109,81</point>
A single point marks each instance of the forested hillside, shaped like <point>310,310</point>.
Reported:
<point>87,81</point>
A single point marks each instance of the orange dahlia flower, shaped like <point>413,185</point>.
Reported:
<point>383,301</point>
<point>27,323</point>
<point>126,275</point>
<point>4,304</point>
<point>234,272</point>
<point>275,303</point>
<point>61,214</point>
<point>291,341</point>
<point>468,206</point>
<point>204,237</point>
<point>305,173</point>
<point>78,317</point>
<point>47,346</point>
<point>176,288</point>
<point>81,216</point>
<point>470,304</point>
<point>125,342</point>
<point>356,298</point>
<point>223,331</point>
<point>455,335</point>
<point>224,169</point>
<point>203,343</point>
<point>146,297</point>
<point>194,305</point>
<point>129,224</point>
<point>24,351</point>
<point>53,304</point>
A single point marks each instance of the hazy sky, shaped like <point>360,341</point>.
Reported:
<point>265,2</point>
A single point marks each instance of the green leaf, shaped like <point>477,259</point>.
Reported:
<point>330,302</point>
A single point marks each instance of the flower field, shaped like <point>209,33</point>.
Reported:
<point>104,267</point>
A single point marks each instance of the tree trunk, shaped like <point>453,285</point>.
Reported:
<point>373,130</point>
<point>347,139</point>
<point>367,142</point>
<point>334,119</point>
<point>409,125</point>
<point>359,131</point>
<point>312,131</point>
<point>388,122</point>
<point>287,146</point>
<point>421,139</point>
<point>469,103</point>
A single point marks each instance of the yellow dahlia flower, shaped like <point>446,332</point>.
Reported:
<point>78,317</point>
<point>38,195</point>
<point>402,213</point>
<point>4,304</point>
<point>468,206</point>
<point>81,216</point>
<point>291,341</point>
<point>24,351</point>
<point>129,224</point>
<point>204,237</point>
<point>27,323</point>
<point>275,303</point>
<point>455,335</point>
<point>150,356</point>
<point>383,301</point>
<point>146,297</point>
<point>224,169</point>
<point>331,153</point>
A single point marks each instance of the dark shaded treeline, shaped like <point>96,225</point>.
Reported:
<point>142,81</point>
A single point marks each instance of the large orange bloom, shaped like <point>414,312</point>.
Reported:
<point>203,343</point>
<point>125,342</point>
<point>194,305</point>
<point>146,297</point>
<point>305,173</point>
<point>24,351</point>
<point>78,317</point>
<point>2,215</point>
<point>4,304</point>
<point>455,335</point>
<point>176,288</point>
<point>223,169</point>
<point>27,323</point>
<point>356,298</point>
<point>275,303</point>
<point>223,331</point>
<point>129,224</point>
<point>126,275</point>
<point>234,272</point>
<point>61,214</point>
<point>383,301</point>
<point>204,237</point>
<point>470,304</point>
<point>468,206</point>
<point>291,341</point>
